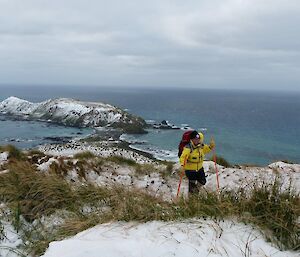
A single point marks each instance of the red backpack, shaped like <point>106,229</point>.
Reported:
<point>186,137</point>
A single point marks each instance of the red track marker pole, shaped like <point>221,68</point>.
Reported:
<point>179,185</point>
<point>180,180</point>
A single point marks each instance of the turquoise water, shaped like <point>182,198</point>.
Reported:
<point>248,126</point>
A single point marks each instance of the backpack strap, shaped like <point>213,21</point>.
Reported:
<point>190,146</point>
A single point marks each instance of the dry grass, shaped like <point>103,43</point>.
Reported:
<point>32,193</point>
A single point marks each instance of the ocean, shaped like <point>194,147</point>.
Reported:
<point>249,127</point>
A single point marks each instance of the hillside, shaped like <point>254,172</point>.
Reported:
<point>122,196</point>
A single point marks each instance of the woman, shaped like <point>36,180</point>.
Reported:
<point>192,158</point>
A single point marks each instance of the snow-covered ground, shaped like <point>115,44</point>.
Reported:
<point>9,238</point>
<point>9,244</point>
<point>157,239</point>
<point>248,177</point>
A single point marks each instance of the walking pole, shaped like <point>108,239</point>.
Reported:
<point>181,176</point>
<point>216,168</point>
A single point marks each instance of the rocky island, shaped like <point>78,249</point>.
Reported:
<point>70,112</point>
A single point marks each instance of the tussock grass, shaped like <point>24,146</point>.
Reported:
<point>145,169</point>
<point>14,153</point>
<point>277,211</point>
<point>169,166</point>
<point>222,161</point>
<point>36,152</point>
<point>61,168</point>
<point>121,160</point>
<point>84,155</point>
<point>31,193</point>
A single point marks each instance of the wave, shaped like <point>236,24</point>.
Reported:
<point>150,121</point>
<point>19,140</point>
<point>132,139</point>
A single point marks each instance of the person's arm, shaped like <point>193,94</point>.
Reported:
<point>184,156</point>
<point>208,148</point>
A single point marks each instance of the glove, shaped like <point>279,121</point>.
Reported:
<point>212,144</point>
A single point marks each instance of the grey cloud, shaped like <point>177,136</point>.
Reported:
<point>224,43</point>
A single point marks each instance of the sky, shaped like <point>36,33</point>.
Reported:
<point>226,44</point>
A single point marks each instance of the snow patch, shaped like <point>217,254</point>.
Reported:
<point>3,157</point>
<point>44,167</point>
<point>154,239</point>
<point>10,240</point>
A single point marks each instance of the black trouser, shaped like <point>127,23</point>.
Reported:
<point>194,178</point>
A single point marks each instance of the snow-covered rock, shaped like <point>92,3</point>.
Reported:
<point>72,113</point>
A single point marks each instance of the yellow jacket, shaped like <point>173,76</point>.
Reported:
<point>192,156</point>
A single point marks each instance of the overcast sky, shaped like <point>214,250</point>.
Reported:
<point>195,43</point>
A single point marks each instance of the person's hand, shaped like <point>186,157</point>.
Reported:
<point>212,143</point>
